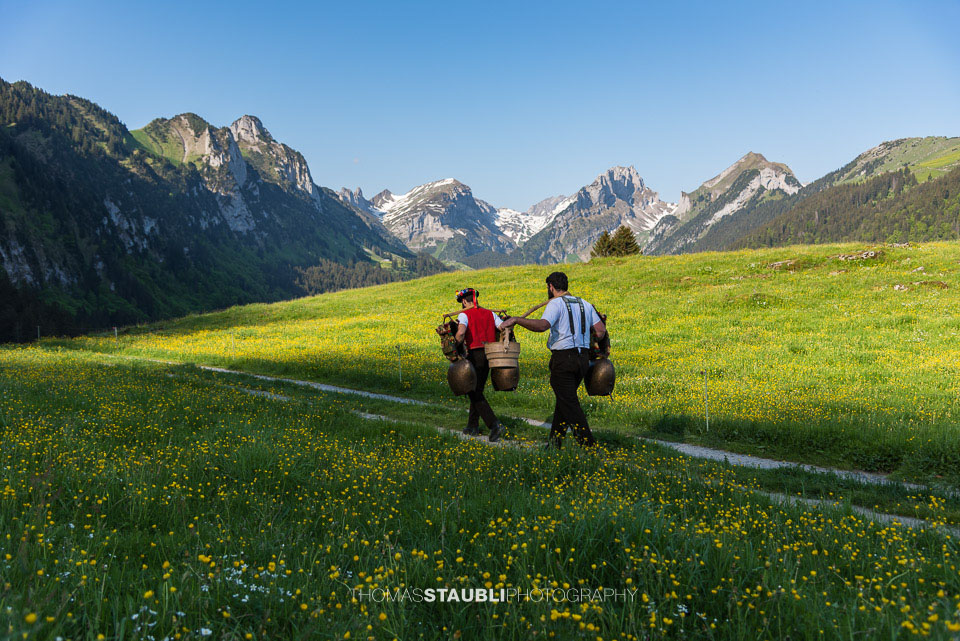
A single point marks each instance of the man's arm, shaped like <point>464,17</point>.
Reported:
<point>533,324</point>
<point>461,332</point>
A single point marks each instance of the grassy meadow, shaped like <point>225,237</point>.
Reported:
<point>152,501</point>
<point>155,500</point>
<point>803,356</point>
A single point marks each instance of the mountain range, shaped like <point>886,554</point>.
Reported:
<point>104,225</point>
<point>718,214</point>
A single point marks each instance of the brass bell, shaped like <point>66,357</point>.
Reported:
<point>505,379</point>
<point>600,377</point>
<point>462,377</point>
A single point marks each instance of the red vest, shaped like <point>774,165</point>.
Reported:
<point>480,327</point>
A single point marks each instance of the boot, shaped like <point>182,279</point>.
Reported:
<point>472,431</point>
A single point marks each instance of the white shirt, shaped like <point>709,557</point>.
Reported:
<point>462,319</point>
<point>560,335</point>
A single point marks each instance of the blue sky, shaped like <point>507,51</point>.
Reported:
<point>520,101</point>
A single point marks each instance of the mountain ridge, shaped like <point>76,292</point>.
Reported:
<point>744,185</point>
<point>102,226</point>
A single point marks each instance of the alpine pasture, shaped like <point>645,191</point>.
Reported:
<point>142,497</point>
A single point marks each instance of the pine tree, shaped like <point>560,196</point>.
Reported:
<point>624,243</point>
<point>603,247</point>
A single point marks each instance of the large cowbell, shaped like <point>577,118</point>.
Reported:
<point>505,379</point>
<point>462,377</point>
<point>601,377</point>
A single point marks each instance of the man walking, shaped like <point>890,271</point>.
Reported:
<point>476,327</point>
<point>569,320</point>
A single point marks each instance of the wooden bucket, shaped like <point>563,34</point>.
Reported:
<point>503,353</point>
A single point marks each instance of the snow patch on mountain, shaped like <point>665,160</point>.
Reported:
<point>519,226</point>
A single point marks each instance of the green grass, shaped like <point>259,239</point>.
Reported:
<point>942,162</point>
<point>822,361</point>
<point>143,499</point>
<point>935,505</point>
<point>170,147</point>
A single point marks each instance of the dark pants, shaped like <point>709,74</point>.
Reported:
<point>479,407</point>
<point>568,367</point>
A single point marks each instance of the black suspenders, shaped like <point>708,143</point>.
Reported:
<point>583,319</point>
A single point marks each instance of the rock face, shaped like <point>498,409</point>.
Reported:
<point>238,161</point>
<point>617,197</point>
<point>274,161</point>
<point>441,217</point>
<point>734,192</point>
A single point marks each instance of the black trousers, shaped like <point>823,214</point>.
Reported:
<point>479,407</point>
<point>568,367</point>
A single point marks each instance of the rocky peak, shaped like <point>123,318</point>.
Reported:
<point>192,122</point>
<point>737,190</point>
<point>188,138</point>
<point>443,217</point>
<point>249,129</point>
<point>521,226</point>
<point>356,199</point>
<point>617,183</point>
<point>382,197</point>
<point>350,194</point>
<point>448,187</point>
<point>773,172</point>
<point>274,161</point>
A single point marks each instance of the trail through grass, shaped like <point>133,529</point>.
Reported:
<point>806,356</point>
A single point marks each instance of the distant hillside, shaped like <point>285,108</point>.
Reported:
<point>933,156</point>
<point>927,159</point>
<point>891,207</point>
<point>100,225</point>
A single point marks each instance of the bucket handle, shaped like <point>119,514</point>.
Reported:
<point>505,334</point>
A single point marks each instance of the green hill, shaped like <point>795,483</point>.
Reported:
<point>889,207</point>
<point>807,355</point>
<point>932,156</point>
